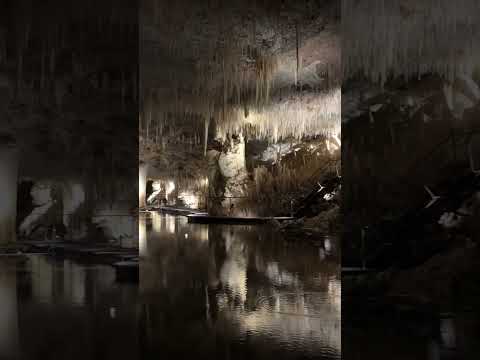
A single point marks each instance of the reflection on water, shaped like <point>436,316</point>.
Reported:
<point>8,314</point>
<point>236,292</point>
<point>206,292</point>
<point>59,309</point>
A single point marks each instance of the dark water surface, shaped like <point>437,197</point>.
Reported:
<point>209,292</point>
<point>452,336</point>
<point>236,292</point>
<point>205,292</point>
<point>58,309</point>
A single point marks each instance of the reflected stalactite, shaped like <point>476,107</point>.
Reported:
<point>9,328</point>
<point>242,286</point>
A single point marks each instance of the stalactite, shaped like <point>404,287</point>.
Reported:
<point>123,90</point>
<point>297,41</point>
<point>20,72</point>
<point>231,82</point>
<point>3,53</point>
<point>142,185</point>
<point>385,39</point>
<point>43,65</point>
<point>297,117</point>
<point>8,191</point>
<point>52,61</point>
<point>207,124</point>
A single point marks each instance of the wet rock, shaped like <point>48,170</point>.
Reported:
<point>441,278</point>
<point>446,281</point>
<point>325,221</point>
<point>41,216</point>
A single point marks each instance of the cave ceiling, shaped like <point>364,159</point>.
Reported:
<point>189,37</point>
<point>276,62</point>
<point>68,88</point>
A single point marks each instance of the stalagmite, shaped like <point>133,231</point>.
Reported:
<point>42,198</point>
<point>8,189</point>
<point>73,198</point>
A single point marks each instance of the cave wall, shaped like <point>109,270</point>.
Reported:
<point>68,94</point>
<point>401,142</point>
<point>249,177</point>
